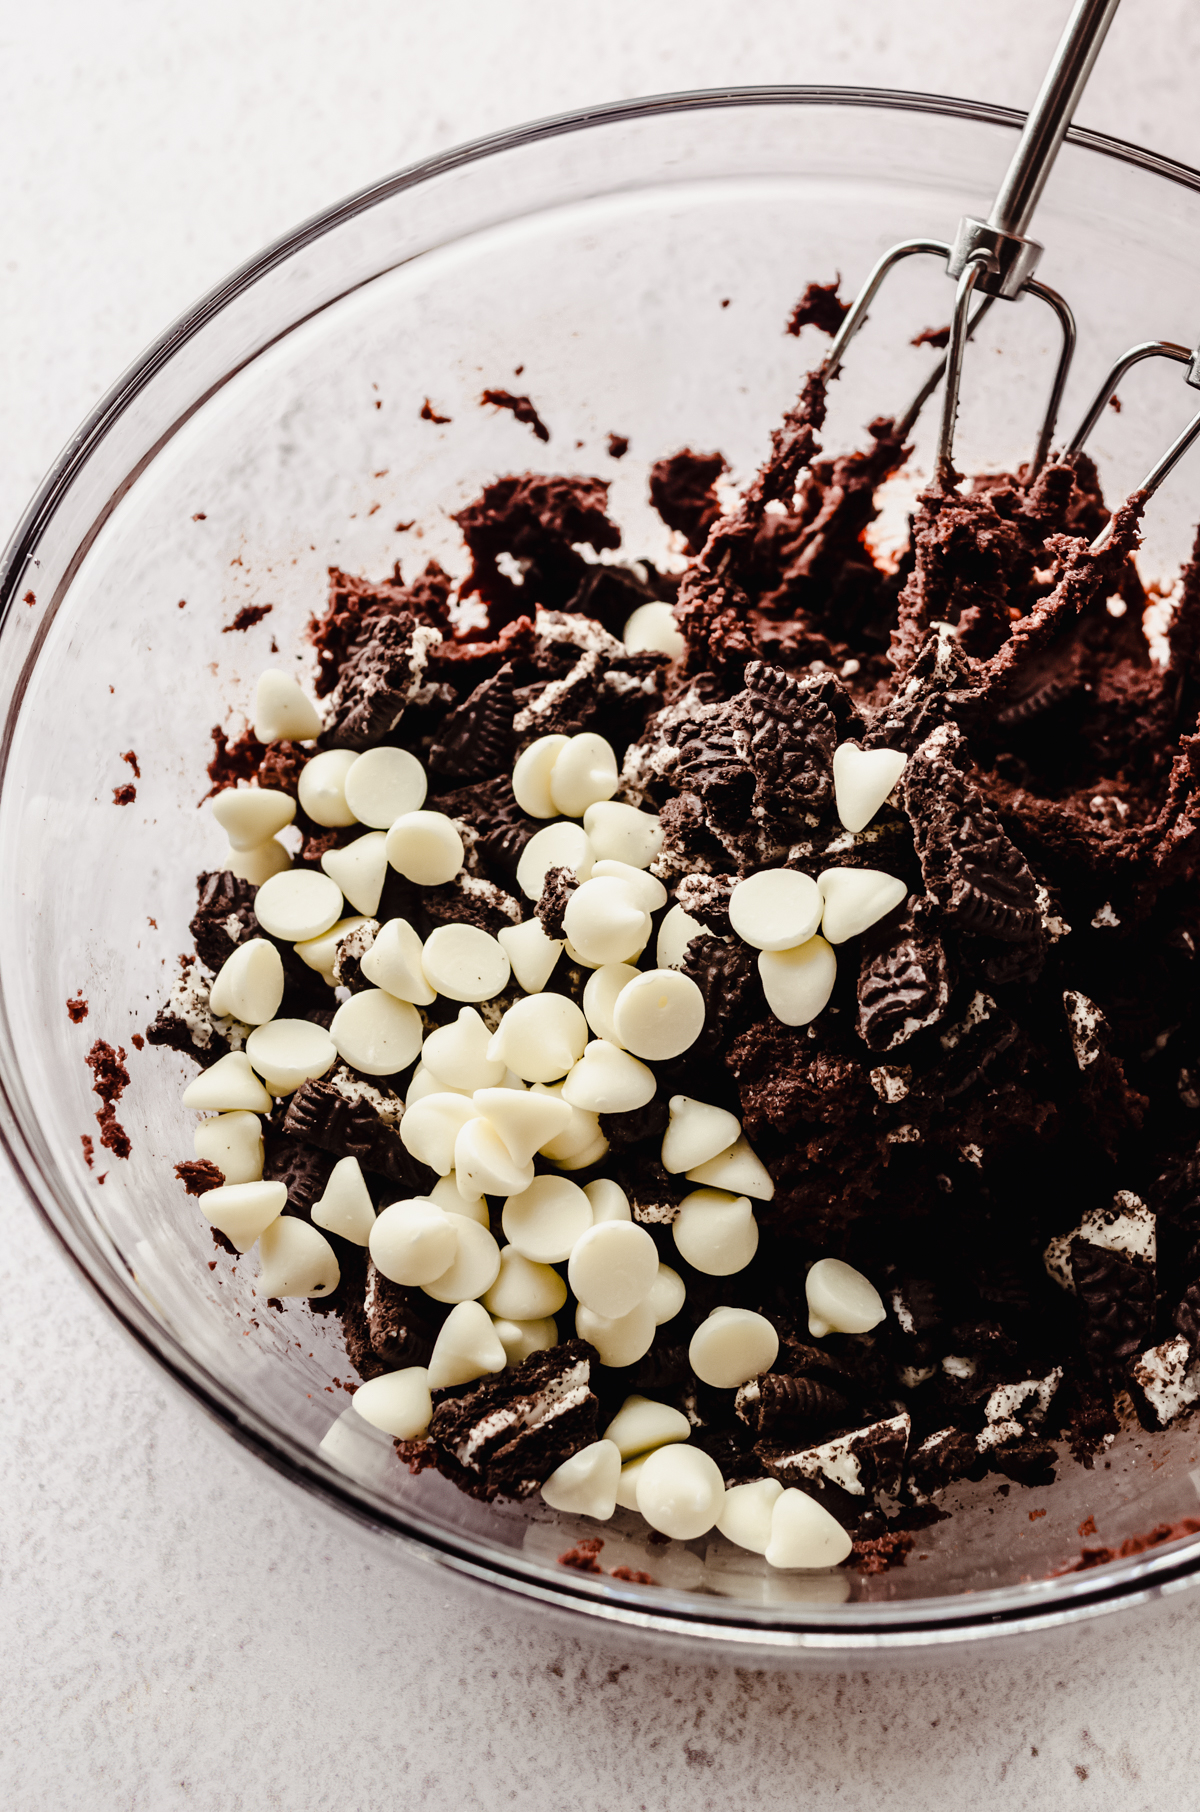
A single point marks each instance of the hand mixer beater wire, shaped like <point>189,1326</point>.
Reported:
<point>994,256</point>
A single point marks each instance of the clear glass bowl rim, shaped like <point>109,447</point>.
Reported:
<point>917,1628</point>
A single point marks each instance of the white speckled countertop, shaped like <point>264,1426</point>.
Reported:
<point>178,1631</point>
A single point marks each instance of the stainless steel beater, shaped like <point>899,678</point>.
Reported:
<point>997,259</point>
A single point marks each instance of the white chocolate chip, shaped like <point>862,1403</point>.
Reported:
<point>804,1534</point>
<point>604,922</point>
<point>383,785</point>
<point>376,1033</point>
<point>652,629</point>
<point>716,1232</point>
<point>546,1219</point>
<point>540,1037</point>
<point>627,1482</point>
<point>467,1347</point>
<point>457,1054</point>
<point>531,776</point>
<point>745,1518</point>
<point>346,1207</point>
<point>641,1425</point>
<point>432,1124</point>
<point>586,1484</point>
<point>609,1201</point>
<point>581,1144</point>
<point>249,984</point>
<point>607,1080</point>
<point>320,953</point>
<point>524,1289</point>
<point>522,1338</point>
<point>423,1083</point>
<point>731,1347</point>
<point>425,848</point>
<point>680,1492</point>
<point>676,932</point>
<point>738,1169</point>
<point>695,1133</point>
<point>233,1142</point>
<point>841,1299</point>
<point>584,772</point>
<point>775,910</point>
<point>249,815</point>
<point>620,833</point>
<point>297,1260</point>
<point>282,711</point>
<point>464,963</point>
<point>862,780</point>
<point>524,1121</point>
<point>228,1085</point>
<point>287,1052</point>
<point>561,845</point>
<point>298,905</point>
<point>413,1242</point>
<point>322,787</point>
<point>258,865</point>
<point>398,1402</point>
<point>483,1164</point>
<point>668,1293</point>
<point>600,997</point>
<point>476,1264</point>
<point>798,983</point>
<point>647,890</point>
<point>532,954</point>
<point>241,1210</point>
<point>621,1341</point>
<point>660,1015</point>
<point>613,1267</point>
<point>360,870</point>
<point>394,963</point>
<point>856,898</point>
<point>447,1194</point>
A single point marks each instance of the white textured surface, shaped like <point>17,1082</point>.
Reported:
<point>179,1632</point>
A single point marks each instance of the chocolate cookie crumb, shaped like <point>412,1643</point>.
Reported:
<point>430,414</point>
<point>819,307</point>
<point>521,407</point>
<point>681,490</point>
<point>877,1554</point>
<point>582,1557</point>
<point>85,1139</point>
<point>77,1010</point>
<point>124,795</point>
<point>199,1175</point>
<point>618,446</point>
<point>130,757</point>
<point>247,617</point>
<point>937,337</point>
<point>111,1080</point>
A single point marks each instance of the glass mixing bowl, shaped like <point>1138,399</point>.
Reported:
<point>635,265</point>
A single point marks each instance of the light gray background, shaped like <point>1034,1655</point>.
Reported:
<point>176,1631</point>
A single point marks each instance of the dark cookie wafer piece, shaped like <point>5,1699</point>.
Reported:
<point>402,1324</point>
<point>504,1438</point>
<point>303,1168</point>
<point>224,917</point>
<point>322,1116</point>
<point>380,678</point>
<point>557,888</point>
<point>979,879</point>
<point>903,983</point>
<point>354,603</point>
<point>477,737</point>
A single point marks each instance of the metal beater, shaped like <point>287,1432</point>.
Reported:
<point>995,258</point>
